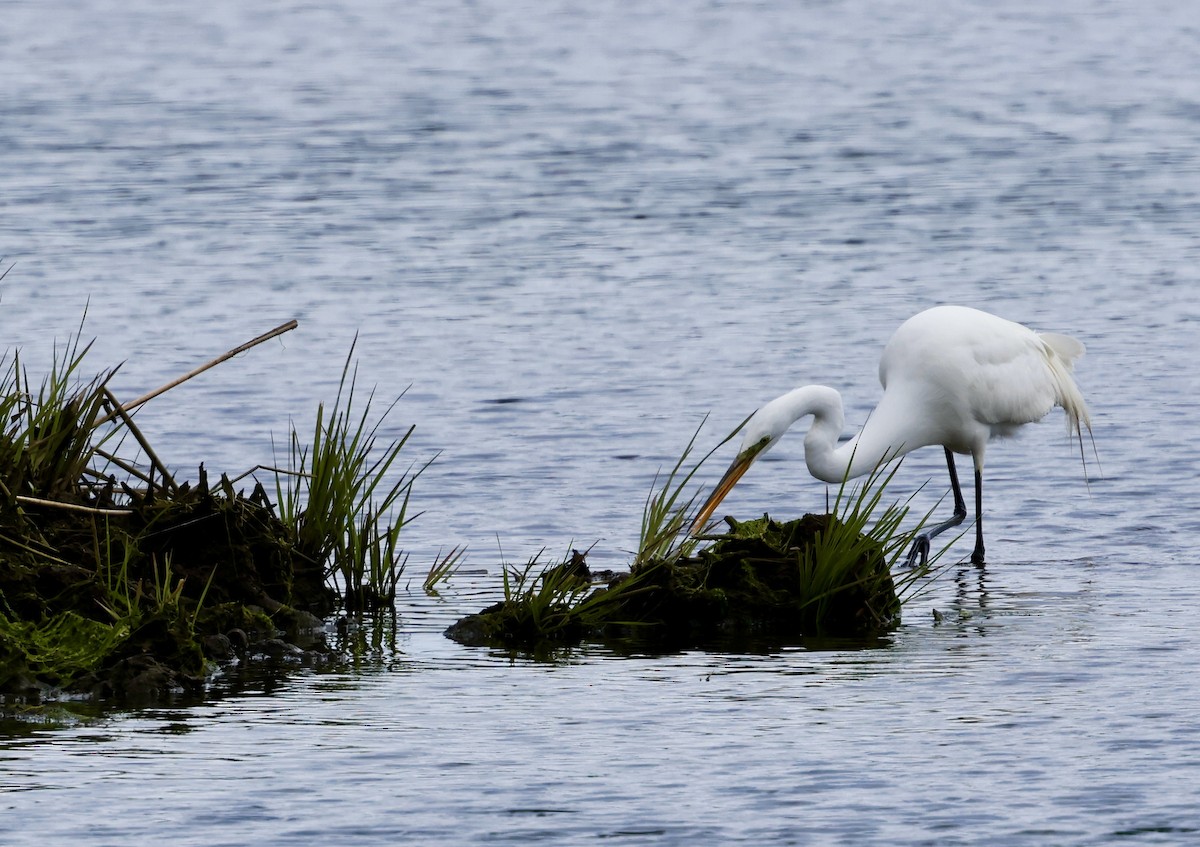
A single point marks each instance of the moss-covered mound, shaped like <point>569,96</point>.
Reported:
<point>129,604</point>
<point>762,578</point>
<point>118,581</point>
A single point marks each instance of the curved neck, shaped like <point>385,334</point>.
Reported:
<point>825,459</point>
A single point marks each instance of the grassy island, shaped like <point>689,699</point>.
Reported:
<point>120,581</point>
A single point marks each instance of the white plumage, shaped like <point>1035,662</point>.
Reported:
<point>951,375</point>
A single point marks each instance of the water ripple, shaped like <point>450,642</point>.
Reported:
<point>575,230</point>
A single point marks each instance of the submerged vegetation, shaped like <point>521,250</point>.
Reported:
<point>819,575</point>
<point>117,580</point>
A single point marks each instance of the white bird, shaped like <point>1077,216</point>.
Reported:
<point>952,376</point>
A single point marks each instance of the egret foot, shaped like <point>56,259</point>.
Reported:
<point>918,556</point>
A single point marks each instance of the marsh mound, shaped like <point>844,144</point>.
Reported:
<point>118,581</point>
<point>131,606</point>
<point>760,579</point>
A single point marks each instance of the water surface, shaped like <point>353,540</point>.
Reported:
<point>571,231</point>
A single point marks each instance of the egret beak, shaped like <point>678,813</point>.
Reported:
<point>740,465</point>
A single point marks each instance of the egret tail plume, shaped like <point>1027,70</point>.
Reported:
<point>1061,352</point>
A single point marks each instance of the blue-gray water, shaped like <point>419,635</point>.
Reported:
<point>624,217</point>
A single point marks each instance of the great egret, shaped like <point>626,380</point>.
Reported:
<point>952,376</point>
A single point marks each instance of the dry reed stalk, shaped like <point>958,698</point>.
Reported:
<point>70,507</point>
<point>241,348</point>
<point>155,462</point>
<point>128,467</point>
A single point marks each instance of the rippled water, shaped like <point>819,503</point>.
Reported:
<point>574,230</point>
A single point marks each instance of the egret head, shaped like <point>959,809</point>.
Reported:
<point>759,434</point>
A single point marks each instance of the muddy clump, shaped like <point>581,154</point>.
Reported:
<point>761,579</point>
<point>140,603</point>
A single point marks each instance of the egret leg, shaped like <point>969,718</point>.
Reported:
<point>919,554</point>
<point>977,555</point>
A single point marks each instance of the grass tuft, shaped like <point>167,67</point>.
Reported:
<point>547,606</point>
<point>666,514</point>
<point>47,439</point>
<point>443,569</point>
<point>336,497</point>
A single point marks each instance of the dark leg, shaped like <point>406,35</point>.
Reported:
<point>919,555</point>
<point>977,556</point>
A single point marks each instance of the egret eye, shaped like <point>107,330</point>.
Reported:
<point>752,451</point>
